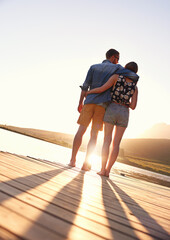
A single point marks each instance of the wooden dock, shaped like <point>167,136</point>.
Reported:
<point>41,200</point>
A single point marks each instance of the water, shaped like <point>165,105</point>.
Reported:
<point>28,146</point>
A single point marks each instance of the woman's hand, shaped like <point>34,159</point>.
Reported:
<point>134,99</point>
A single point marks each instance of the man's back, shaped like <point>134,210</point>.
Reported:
<point>98,75</point>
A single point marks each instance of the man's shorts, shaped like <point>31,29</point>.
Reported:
<point>92,112</point>
<point>117,114</point>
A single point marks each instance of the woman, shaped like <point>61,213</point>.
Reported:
<point>124,96</point>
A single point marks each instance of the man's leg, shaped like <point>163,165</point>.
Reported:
<point>97,125</point>
<point>108,129</point>
<point>119,131</point>
<point>76,144</point>
<point>90,148</point>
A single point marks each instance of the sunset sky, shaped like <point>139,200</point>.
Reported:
<point>47,47</point>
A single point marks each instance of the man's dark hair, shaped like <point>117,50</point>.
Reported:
<point>132,66</point>
<point>111,52</point>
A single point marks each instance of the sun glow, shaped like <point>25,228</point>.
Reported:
<point>95,161</point>
<point>90,203</point>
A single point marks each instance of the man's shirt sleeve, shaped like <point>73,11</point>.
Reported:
<point>88,80</point>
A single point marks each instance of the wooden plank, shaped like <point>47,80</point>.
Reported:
<point>54,212</point>
<point>109,200</point>
<point>31,167</point>
<point>9,158</point>
<point>21,226</point>
<point>61,211</point>
<point>39,217</point>
<point>74,199</point>
<point>87,201</point>
<point>159,189</point>
<point>128,200</point>
<point>146,192</point>
<point>6,235</point>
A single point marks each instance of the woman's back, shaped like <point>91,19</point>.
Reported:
<point>123,90</point>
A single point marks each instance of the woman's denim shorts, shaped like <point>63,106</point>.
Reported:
<point>117,114</point>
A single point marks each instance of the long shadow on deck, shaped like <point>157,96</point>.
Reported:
<point>49,218</point>
<point>155,230</point>
<point>60,213</point>
<point>113,207</point>
<point>24,184</point>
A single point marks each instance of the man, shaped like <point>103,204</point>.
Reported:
<point>95,104</point>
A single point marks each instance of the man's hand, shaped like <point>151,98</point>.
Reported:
<point>80,106</point>
<point>82,96</point>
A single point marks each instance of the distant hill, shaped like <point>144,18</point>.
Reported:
<point>160,130</point>
<point>158,149</point>
<point>49,136</point>
<point>58,138</point>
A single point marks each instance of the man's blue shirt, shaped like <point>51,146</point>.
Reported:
<point>98,75</point>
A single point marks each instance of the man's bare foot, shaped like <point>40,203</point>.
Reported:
<point>86,167</point>
<point>107,173</point>
<point>72,164</point>
<point>101,173</point>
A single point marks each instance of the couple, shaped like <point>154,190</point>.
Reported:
<point>112,92</point>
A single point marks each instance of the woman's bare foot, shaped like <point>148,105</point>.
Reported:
<point>101,173</point>
<point>72,164</point>
<point>86,167</point>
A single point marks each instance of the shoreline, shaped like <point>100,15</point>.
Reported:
<point>46,136</point>
<point>145,178</point>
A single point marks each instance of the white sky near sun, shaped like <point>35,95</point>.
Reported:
<point>47,47</point>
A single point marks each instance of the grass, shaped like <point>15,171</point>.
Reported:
<point>147,164</point>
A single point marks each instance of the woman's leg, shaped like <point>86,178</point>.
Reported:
<point>119,131</point>
<point>108,129</point>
